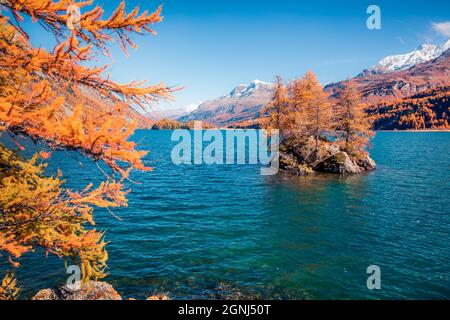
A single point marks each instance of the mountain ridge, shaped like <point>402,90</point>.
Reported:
<point>243,102</point>
<point>423,53</point>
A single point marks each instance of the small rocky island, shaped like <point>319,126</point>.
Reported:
<point>319,133</point>
<point>299,159</point>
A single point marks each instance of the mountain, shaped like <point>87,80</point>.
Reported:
<point>173,113</point>
<point>376,87</point>
<point>423,53</point>
<point>243,103</point>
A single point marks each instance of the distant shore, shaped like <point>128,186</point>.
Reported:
<point>407,130</point>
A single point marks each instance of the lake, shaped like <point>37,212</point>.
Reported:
<point>221,231</point>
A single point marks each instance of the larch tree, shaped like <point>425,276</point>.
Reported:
<point>277,108</point>
<point>310,108</point>
<point>296,117</point>
<point>352,122</point>
<point>47,96</point>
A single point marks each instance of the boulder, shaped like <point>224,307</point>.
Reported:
<point>367,164</point>
<point>338,163</point>
<point>289,163</point>
<point>331,149</point>
<point>301,148</point>
<point>94,290</point>
<point>160,296</point>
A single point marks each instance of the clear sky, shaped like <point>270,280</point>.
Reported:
<point>210,46</point>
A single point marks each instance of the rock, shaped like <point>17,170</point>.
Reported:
<point>298,156</point>
<point>46,294</point>
<point>289,163</point>
<point>338,163</point>
<point>367,164</point>
<point>332,149</point>
<point>94,290</point>
<point>160,296</point>
<point>301,149</point>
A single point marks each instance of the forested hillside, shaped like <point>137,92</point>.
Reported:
<point>429,109</point>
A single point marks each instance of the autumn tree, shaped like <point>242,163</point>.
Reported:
<point>352,122</point>
<point>59,98</point>
<point>297,116</point>
<point>310,109</point>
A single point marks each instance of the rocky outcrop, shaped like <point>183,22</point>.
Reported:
<point>338,163</point>
<point>160,296</point>
<point>94,290</point>
<point>289,163</point>
<point>341,163</point>
<point>367,164</point>
<point>299,157</point>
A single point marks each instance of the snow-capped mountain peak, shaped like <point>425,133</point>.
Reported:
<point>243,102</point>
<point>243,90</point>
<point>446,45</point>
<point>423,53</point>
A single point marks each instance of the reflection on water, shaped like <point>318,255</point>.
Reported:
<point>226,232</point>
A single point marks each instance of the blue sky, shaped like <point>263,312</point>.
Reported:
<point>210,46</point>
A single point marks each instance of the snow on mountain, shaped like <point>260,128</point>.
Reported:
<point>423,53</point>
<point>388,86</point>
<point>243,90</point>
<point>242,103</point>
<point>191,107</point>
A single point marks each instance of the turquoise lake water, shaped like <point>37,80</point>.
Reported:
<point>198,231</point>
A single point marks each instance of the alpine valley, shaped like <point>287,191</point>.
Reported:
<point>406,91</point>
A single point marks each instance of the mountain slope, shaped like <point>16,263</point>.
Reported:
<point>242,103</point>
<point>429,109</point>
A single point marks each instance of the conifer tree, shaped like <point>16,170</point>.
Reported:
<point>277,108</point>
<point>352,122</point>
<point>46,96</point>
<point>310,108</point>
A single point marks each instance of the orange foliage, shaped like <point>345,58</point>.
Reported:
<point>276,110</point>
<point>303,112</point>
<point>429,109</point>
<point>55,97</point>
<point>352,122</point>
<point>310,108</point>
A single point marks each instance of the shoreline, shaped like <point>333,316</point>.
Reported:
<point>407,130</point>
<point>420,130</point>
